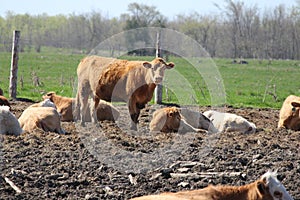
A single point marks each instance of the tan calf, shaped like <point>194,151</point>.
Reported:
<point>63,105</point>
<point>105,111</point>
<point>289,116</point>
<point>45,118</point>
<point>169,120</point>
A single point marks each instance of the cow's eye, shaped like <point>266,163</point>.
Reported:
<point>277,194</point>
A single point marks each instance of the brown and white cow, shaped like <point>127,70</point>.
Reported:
<point>267,187</point>
<point>112,79</point>
<point>105,110</point>
<point>289,116</point>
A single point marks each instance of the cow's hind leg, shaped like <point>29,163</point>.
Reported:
<point>94,116</point>
<point>84,97</point>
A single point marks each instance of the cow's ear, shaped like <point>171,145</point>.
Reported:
<point>295,104</point>
<point>170,114</point>
<point>50,94</point>
<point>261,187</point>
<point>147,65</point>
<point>170,65</point>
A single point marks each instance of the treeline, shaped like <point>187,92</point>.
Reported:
<point>238,31</point>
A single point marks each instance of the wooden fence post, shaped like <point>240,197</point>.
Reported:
<point>158,89</point>
<point>14,65</point>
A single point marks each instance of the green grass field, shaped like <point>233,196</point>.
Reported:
<point>257,84</point>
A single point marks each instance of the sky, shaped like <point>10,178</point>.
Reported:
<point>113,8</point>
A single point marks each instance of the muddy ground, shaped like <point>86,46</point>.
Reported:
<point>114,163</point>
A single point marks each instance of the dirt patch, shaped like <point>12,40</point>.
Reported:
<point>50,166</point>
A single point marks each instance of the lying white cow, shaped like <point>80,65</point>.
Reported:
<point>228,122</point>
<point>44,103</point>
<point>45,118</point>
<point>8,122</point>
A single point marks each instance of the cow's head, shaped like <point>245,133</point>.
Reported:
<point>158,66</point>
<point>49,95</point>
<point>269,185</point>
<point>295,106</point>
<point>173,117</point>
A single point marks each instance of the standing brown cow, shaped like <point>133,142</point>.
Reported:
<point>112,79</point>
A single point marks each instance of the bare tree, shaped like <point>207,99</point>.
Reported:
<point>234,13</point>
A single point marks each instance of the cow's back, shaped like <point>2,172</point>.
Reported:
<point>90,68</point>
<point>208,193</point>
<point>46,118</point>
<point>119,79</point>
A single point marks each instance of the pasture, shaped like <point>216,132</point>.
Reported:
<point>261,83</point>
<point>46,165</point>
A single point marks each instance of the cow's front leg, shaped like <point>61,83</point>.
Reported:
<point>134,114</point>
<point>134,121</point>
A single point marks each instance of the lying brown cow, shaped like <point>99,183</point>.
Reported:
<point>45,118</point>
<point>267,187</point>
<point>105,111</point>
<point>289,116</point>
<point>111,79</point>
<point>4,101</point>
<point>169,120</point>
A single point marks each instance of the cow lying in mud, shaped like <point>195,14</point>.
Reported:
<point>229,122</point>
<point>267,187</point>
<point>105,110</point>
<point>45,118</point>
<point>9,124</point>
<point>289,116</point>
<point>112,79</point>
<point>197,120</point>
<point>168,120</point>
